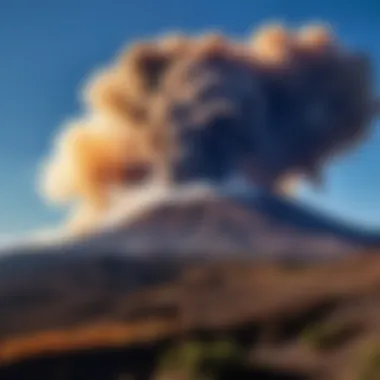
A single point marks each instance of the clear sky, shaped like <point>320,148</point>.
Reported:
<point>47,47</point>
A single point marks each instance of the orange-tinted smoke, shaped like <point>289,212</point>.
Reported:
<point>125,104</point>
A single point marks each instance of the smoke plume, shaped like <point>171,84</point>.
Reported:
<point>276,107</point>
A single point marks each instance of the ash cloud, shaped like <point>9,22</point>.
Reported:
<point>275,107</point>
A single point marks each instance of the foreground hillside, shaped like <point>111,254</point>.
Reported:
<point>290,321</point>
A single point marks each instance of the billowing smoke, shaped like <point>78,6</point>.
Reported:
<point>274,107</point>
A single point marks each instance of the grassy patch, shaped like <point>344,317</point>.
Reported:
<point>370,369</point>
<point>325,335</point>
<point>201,360</point>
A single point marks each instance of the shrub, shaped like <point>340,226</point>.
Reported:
<point>327,335</point>
<point>201,360</point>
<point>371,366</point>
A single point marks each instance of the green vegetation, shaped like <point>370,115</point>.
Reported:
<point>371,366</point>
<point>325,335</point>
<point>197,360</point>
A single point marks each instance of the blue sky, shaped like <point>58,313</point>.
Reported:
<point>47,48</point>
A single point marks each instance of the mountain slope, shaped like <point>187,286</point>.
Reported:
<point>251,222</point>
<point>130,282</point>
<point>54,282</point>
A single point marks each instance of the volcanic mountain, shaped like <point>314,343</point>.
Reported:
<point>215,110</point>
<point>136,282</point>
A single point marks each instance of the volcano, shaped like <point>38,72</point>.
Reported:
<point>190,249</point>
